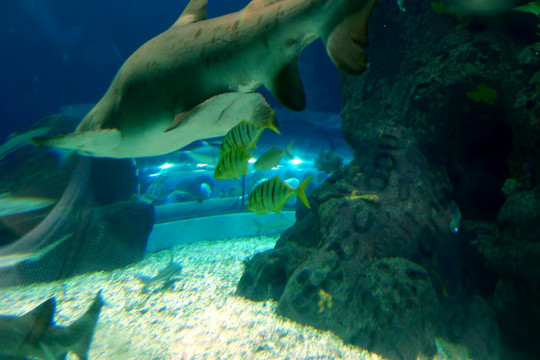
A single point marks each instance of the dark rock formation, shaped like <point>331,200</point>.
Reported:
<point>446,112</point>
<point>352,250</point>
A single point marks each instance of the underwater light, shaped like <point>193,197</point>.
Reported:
<point>154,175</point>
<point>166,166</point>
<point>252,160</point>
<point>296,161</point>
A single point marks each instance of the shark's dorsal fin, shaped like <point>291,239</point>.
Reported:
<point>194,11</point>
<point>287,87</point>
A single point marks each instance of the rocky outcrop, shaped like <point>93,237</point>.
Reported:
<point>375,260</point>
<point>446,113</point>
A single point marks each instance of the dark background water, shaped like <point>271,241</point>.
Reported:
<point>59,52</point>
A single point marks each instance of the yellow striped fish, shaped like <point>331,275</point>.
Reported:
<point>272,195</point>
<point>246,134</point>
<point>233,164</point>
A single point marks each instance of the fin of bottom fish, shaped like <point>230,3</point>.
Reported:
<point>79,334</point>
<point>86,143</point>
<point>42,319</point>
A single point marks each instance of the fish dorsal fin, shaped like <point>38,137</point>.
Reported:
<point>41,318</point>
<point>287,87</point>
<point>259,4</point>
<point>194,11</point>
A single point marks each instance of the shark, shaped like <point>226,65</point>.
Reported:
<point>35,335</point>
<point>167,276</point>
<point>13,205</point>
<point>9,257</point>
<point>17,140</point>
<point>197,79</point>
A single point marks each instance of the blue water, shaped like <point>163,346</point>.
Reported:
<point>67,52</point>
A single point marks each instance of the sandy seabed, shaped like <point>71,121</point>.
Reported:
<point>198,317</point>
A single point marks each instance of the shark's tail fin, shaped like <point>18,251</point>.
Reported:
<point>345,39</point>
<point>79,334</point>
<point>145,280</point>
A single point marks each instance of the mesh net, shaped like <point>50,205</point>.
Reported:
<point>78,235</point>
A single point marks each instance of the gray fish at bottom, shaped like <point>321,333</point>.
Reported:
<point>35,335</point>
<point>166,276</point>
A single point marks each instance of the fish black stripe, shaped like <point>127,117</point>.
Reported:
<point>235,133</point>
<point>247,135</point>
<point>240,135</point>
<point>284,189</point>
<point>265,193</point>
<point>260,196</point>
<point>272,192</point>
<point>250,132</point>
<point>230,159</point>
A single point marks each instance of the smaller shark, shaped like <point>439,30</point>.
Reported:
<point>34,334</point>
<point>167,276</point>
<point>16,141</point>
<point>13,205</point>
<point>10,256</point>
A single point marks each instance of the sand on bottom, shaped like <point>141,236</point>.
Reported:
<point>198,317</point>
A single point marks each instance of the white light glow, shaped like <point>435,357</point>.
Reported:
<point>296,161</point>
<point>165,166</point>
<point>252,160</point>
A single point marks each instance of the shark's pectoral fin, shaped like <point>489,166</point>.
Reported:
<point>179,118</point>
<point>219,114</point>
<point>88,142</point>
<point>194,11</point>
<point>344,41</point>
<point>287,87</point>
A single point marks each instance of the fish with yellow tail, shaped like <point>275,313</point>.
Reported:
<point>271,158</point>
<point>233,164</point>
<point>246,134</point>
<point>373,198</point>
<point>272,195</point>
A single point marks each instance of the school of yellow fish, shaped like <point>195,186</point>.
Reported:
<point>271,195</point>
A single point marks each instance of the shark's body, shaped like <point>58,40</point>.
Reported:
<point>195,80</point>
<point>34,334</point>
<point>165,276</point>
<point>17,141</point>
<point>9,257</point>
<point>13,205</point>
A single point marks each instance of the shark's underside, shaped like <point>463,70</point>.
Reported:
<point>196,80</point>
